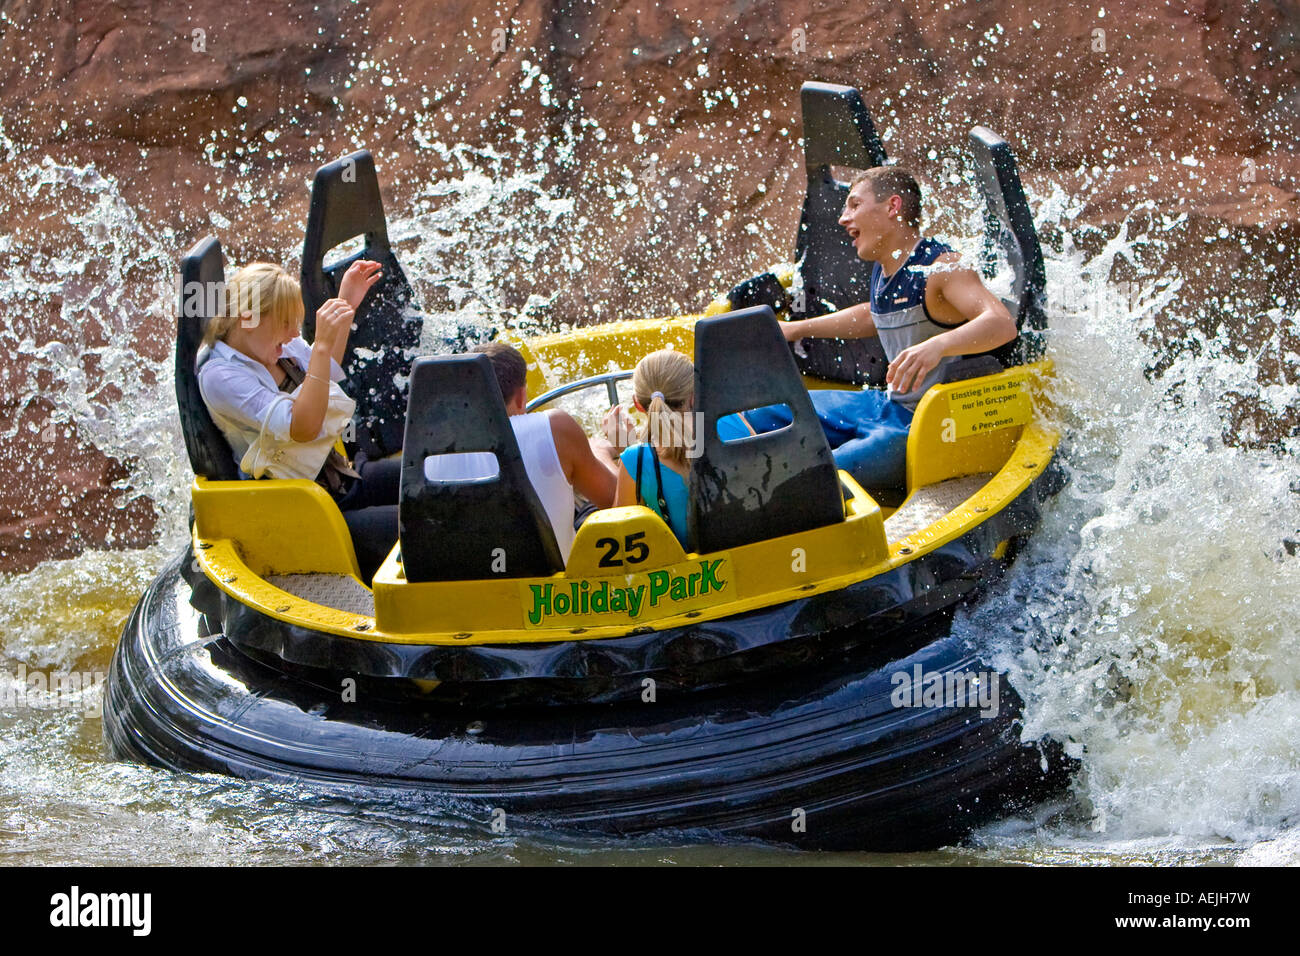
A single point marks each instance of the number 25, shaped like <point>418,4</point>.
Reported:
<point>635,548</point>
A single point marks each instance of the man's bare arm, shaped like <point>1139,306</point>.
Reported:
<point>593,476</point>
<point>960,295</point>
<point>851,323</point>
<point>953,295</point>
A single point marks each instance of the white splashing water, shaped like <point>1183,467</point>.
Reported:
<point>1155,617</point>
<point>112,271</point>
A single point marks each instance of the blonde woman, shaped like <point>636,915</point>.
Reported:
<point>653,472</point>
<point>257,352</point>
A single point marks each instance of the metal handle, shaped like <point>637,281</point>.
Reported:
<point>609,379</point>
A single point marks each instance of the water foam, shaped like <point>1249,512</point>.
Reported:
<point>1155,617</point>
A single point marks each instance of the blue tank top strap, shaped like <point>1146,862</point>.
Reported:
<point>670,497</point>
<point>905,289</point>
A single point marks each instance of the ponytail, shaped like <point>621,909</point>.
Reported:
<point>664,384</point>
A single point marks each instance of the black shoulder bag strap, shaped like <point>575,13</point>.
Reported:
<point>659,480</point>
<point>294,375</point>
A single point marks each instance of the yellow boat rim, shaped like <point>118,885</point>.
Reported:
<point>283,549</point>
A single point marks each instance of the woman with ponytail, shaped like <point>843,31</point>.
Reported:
<point>653,472</point>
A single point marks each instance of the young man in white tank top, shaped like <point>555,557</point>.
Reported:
<point>558,456</point>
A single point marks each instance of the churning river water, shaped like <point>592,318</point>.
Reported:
<point>1153,622</point>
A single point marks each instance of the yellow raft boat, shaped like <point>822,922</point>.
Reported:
<point>788,675</point>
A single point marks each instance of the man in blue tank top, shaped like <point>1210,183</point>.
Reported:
<point>927,310</point>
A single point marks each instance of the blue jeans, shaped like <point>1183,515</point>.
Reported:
<point>866,431</point>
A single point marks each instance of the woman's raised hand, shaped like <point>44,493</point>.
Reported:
<point>361,275</point>
<point>617,427</point>
<point>334,321</point>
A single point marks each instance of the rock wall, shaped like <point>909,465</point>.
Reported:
<point>673,129</point>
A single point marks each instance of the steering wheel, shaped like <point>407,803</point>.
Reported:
<point>609,379</point>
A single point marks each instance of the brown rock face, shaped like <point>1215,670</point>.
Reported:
<point>668,134</point>
<point>60,498</point>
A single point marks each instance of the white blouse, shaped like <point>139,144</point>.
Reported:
<point>238,390</point>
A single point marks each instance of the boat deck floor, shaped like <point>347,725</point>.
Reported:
<point>927,505</point>
<point>342,592</point>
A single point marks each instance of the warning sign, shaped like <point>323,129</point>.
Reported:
<point>985,408</point>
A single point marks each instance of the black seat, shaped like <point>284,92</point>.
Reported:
<point>1010,225</point>
<point>203,294</point>
<point>772,484</point>
<point>837,131</point>
<point>345,203</point>
<point>463,530</point>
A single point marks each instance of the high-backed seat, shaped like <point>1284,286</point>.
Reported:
<point>1010,225</point>
<point>481,528</point>
<point>345,203</point>
<point>772,484</point>
<point>202,295</point>
<point>837,131</point>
